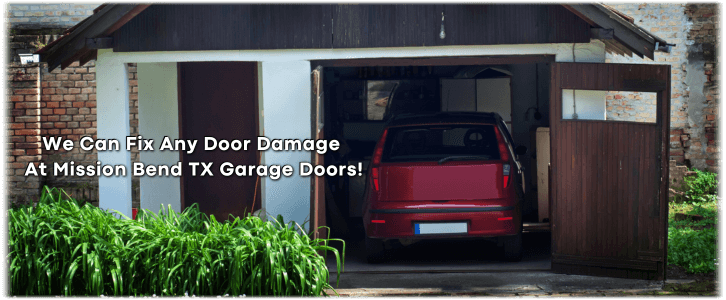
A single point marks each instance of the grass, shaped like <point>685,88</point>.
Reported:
<point>692,219</point>
<point>62,248</point>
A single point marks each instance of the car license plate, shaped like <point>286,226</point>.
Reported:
<point>440,228</point>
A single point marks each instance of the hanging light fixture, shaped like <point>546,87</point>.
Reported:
<point>442,34</point>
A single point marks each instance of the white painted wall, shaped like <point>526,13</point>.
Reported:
<point>590,52</point>
<point>286,91</point>
<point>159,117</point>
<point>495,95</point>
<point>112,101</point>
<point>590,104</point>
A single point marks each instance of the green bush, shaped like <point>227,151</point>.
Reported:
<point>694,250</point>
<point>700,187</point>
<point>62,248</point>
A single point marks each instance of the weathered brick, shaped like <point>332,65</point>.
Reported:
<point>25,91</point>
<point>27,119</point>
<point>32,112</point>
<point>26,105</point>
<point>33,139</point>
<point>17,125</point>
<point>27,145</point>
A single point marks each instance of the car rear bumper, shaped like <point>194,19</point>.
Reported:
<point>480,222</point>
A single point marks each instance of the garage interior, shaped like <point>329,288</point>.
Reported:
<point>359,99</point>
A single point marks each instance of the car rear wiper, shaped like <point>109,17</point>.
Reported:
<point>463,157</point>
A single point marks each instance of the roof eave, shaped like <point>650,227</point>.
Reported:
<point>72,46</point>
<point>633,37</point>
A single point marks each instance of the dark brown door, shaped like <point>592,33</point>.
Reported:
<point>317,185</point>
<point>609,198</point>
<point>219,100</point>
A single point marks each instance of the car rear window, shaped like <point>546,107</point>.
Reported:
<point>436,142</point>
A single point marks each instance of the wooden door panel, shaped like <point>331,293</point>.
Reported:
<point>219,99</point>
<point>608,202</point>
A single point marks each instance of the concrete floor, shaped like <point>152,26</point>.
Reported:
<point>458,267</point>
<point>449,256</point>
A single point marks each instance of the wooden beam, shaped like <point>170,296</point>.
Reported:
<point>99,43</point>
<point>86,57</point>
<point>93,27</point>
<point>601,33</point>
<point>627,34</point>
<point>613,44</point>
<point>617,45</point>
<point>436,61</point>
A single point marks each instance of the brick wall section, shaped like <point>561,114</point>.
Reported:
<point>68,100</point>
<point>38,15</point>
<point>24,131</point>
<point>26,44</point>
<point>704,33</point>
<point>693,123</point>
<point>61,103</point>
<point>631,106</point>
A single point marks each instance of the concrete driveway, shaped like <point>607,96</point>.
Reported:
<point>468,267</point>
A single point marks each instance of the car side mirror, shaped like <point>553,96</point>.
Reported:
<point>520,150</point>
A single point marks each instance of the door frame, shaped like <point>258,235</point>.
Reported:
<point>318,184</point>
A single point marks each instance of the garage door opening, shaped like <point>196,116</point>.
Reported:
<point>361,95</point>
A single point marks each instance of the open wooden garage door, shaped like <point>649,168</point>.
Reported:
<point>609,178</point>
<point>219,100</point>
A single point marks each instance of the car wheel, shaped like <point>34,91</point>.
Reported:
<point>513,247</point>
<point>375,250</point>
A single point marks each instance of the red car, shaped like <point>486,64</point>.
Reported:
<point>444,175</point>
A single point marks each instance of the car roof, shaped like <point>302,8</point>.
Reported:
<point>444,118</point>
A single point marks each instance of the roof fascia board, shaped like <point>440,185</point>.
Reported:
<point>629,36</point>
<point>81,27</point>
<point>637,29</point>
<point>113,15</point>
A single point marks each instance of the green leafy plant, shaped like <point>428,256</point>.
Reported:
<point>694,250</point>
<point>701,187</point>
<point>59,247</point>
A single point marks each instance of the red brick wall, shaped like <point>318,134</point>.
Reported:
<point>704,33</point>
<point>61,103</point>
<point>24,122</point>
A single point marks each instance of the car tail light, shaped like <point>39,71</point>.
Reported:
<point>376,161</point>
<point>503,152</point>
<point>378,153</point>
<point>374,177</point>
<point>506,169</point>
